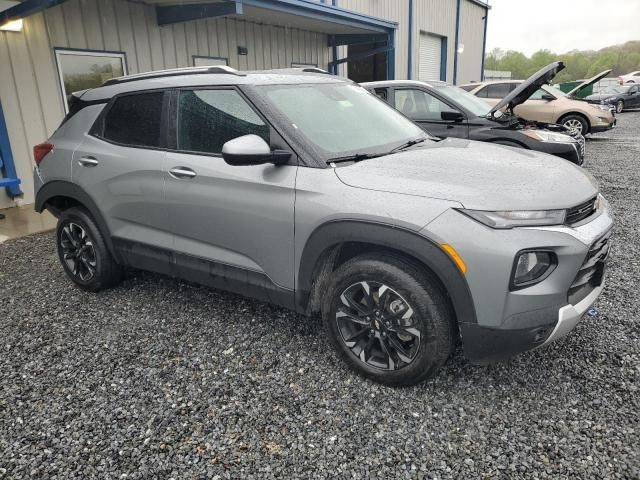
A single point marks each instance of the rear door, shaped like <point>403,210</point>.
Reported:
<point>426,110</point>
<point>121,165</point>
<point>239,218</point>
<point>494,92</point>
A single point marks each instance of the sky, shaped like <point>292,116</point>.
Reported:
<point>561,25</point>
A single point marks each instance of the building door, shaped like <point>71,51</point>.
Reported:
<point>369,69</point>
<point>430,56</point>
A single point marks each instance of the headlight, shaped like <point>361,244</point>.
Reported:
<point>517,218</point>
<point>610,99</point>
<point>606,108</point>
<point>531,267</point>
<point>547,136</point>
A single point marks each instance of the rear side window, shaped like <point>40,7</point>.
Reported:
<point>497,90</point>
<point>468,88</point>
<point>207,119</point>
<point>135,120</point>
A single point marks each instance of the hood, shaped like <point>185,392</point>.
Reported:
<point>476,174</point>
<point>600,96</point>
<point>586,83</point>
<point>527,88</point>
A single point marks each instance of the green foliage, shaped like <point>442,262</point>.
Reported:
<point>580,64</point>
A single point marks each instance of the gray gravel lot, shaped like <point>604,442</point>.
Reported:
<point>161,379</point>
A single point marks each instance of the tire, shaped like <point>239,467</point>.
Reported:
<point>83,252</point>
<point>423,326</point>
<point>576,122</point>
<point>619,106</point>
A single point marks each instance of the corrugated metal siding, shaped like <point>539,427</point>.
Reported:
<point>437,17</point>
<point>471,36</point>
<point>29,88</point>
<point>394,10</point>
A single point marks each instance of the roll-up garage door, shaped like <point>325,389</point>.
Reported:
<point>430,52</point>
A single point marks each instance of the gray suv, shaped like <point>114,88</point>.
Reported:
<point>303,190</point>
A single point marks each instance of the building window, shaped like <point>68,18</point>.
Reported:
<point>202,61</point>
<point>82,69</point>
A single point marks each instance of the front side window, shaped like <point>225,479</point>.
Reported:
<point>472,103</point>
<point>538,94</point>
<point>340,119</point>
<point>419,105</point>
<point>207,119</point>
<point>80,69</point>
<point>135,120</point>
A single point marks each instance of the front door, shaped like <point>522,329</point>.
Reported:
<point>229,222</point>
<point>426,110</point>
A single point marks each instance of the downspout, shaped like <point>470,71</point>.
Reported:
<point>484,44</point>
<point>410,59</point>
<point>334,49</point>
<point>455,47</point>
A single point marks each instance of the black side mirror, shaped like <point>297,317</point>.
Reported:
<point>548,97</point>
<point>451,116</point>
<point>252,150</point>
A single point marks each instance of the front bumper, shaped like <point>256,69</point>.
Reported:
<point>510,322</point>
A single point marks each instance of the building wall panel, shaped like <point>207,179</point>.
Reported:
<point>471,36</point>
<point>29,87</point>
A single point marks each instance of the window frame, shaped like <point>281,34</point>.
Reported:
<point>97,129</point>
<point>208,57</point>
<point>61,51</point>
<point>172,127</point>
<point>509,89</point>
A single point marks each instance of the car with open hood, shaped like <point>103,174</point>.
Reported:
<point>447,111</point>
<point>620,97</point>
<point>303,190</point>
<point>535,100</point>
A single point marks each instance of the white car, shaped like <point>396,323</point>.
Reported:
<point>633,77</point>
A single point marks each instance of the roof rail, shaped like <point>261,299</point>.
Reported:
<point>314,70</point>
<point>174,72</point>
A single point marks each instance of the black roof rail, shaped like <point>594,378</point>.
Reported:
<point>174,72</point>
<point>314,70</point>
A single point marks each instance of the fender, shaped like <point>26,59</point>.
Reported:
<point>61,188</point>
<point>390,236</point>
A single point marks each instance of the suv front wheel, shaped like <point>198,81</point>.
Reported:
<point>388,320</point>
<point>83,252</point>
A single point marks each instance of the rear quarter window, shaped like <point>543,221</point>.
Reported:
<point>135,120</point>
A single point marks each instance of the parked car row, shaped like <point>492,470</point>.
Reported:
<point>303,190</point>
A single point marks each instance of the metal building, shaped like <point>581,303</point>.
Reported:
<point>50,48</point>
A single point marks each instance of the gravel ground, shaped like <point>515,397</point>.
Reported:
<point>161,379</point>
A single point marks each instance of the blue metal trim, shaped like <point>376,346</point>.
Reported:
<point>410,56</point>
<point>168,14</point>
<point>11,180</point>
<point>391,56</point>
<point>444,50</point>
<point>26,8</point>
<point>354,39</point>
<point>208,57</point>
<point>323,12</point>
<point>484,45</point>
<point>455,46</point>
<point>333,67</point>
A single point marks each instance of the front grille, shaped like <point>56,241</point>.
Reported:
<point>592,270</point>
<point>580,212</point>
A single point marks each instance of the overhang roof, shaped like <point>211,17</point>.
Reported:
<point>303,14</point>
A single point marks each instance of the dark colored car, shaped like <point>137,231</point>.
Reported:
<point>620,97</point>
<point>447,111</point>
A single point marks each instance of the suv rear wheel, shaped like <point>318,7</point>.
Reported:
<point>83,252</point>
<point>388,320</point>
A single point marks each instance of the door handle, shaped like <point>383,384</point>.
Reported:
<point>182,172</point>
<point>88,161</point>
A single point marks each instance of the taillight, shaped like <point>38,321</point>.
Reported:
<point>620,81</point>
<point>41,151</point>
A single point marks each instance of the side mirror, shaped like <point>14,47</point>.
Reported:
<point>251,150</point>
<point>451,116</point>
<point>548,97</point>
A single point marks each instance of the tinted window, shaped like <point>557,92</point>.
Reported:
<point>135,120</point>
<point>207,119</point>
<point>419,105</point>
<point>468,88</point>
<point>499,90</point>
<point>382,93</point>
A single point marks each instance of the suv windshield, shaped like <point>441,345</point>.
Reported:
<point>341,119</point>
<point>465,99</point>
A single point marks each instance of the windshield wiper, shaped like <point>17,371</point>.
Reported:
<point>408,144</point>
<point>356,157</point>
